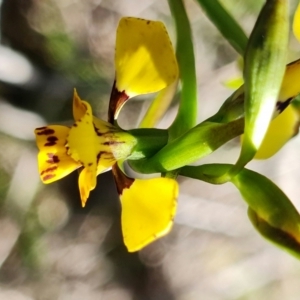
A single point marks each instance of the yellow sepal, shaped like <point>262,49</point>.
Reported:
<point>290,84</point>
<point>79,107</point>
<point>296,23</point>
<point>148,210</point>
<point>280,131</point>
<point>145,61</point>
<point>53,161</point>
<point>87,182</point>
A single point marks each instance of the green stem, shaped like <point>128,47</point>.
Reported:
<point>226,24</point>
<point>197,143</point>
<point>149,142</point>
<point>187,112</point>
<point>211,173</point>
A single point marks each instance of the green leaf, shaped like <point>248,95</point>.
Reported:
<point>226,24</point>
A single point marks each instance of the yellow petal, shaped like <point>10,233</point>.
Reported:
<point>102,126</point>
<point>106,160</point>
<point>84,146</point>
<point>53,161</point>
<point>159,106</point>
<point>280,131</point>
<point>79,108</point>
<point>145,60</point>
<point>87,182</point>
<point>296,23</point>
<point>290,85</point>
<point>148,210</point>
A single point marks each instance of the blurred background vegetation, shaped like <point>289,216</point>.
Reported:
<point>51,248</point>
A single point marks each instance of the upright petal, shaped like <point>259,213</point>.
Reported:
<point>145,60</point>
<point>53,161</point>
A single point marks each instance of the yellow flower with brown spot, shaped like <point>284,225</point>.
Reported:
<point>145,63</point>
<point>90,143</point>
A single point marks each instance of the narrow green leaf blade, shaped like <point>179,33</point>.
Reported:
<point>226,24</point>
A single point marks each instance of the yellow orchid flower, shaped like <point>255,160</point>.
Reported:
<point>90,143</point>
<point>145,63</point>
<point>148,208</point>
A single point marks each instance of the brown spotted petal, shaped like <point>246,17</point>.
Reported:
<point>84,147</point>
<point>53,161</point>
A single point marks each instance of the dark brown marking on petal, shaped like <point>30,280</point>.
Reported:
<point>117,99</point>
<point>49,170</point>
<point>41,128</point>
<point>108,155</point>
<point>53,159</point>
<point>75,125</point>
<point>100,154</point>
<point>148,22</point>
<point>281,106</point>
<point>295,62</point>
<point>46,131</point>
<point>87,113</point>
<point>48,177</point>
<point>51,141</point>
<point>97,131</point>
<point>111,143</point>
<point>122,181</point>
<point>90,164</point>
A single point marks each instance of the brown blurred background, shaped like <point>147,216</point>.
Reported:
<point>51,248</point>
